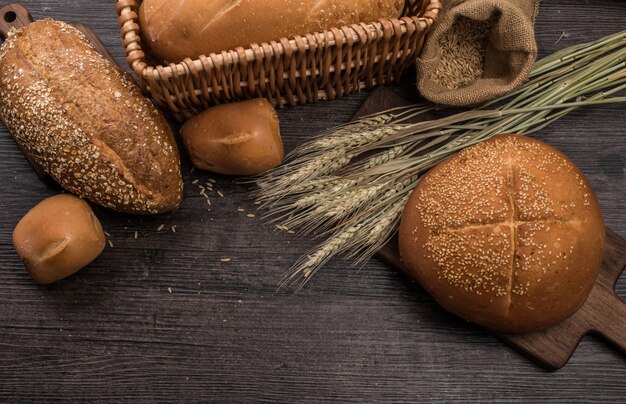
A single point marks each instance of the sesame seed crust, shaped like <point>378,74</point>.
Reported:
<point>507,233</point>
<point>85,122</point>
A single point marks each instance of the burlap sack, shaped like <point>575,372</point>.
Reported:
<point>507,51</point>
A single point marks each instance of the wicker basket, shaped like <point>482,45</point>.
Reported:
<point>303,69</point>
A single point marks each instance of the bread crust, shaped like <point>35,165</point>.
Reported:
<point>85,122</point>
<point>241,138</point>
<point>58,237</point>
<point>177,29</point>
<point>507,234</point>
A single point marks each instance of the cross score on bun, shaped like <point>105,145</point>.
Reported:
<point>177,29</point>
<point>85,122</point>
<point>507,234</point>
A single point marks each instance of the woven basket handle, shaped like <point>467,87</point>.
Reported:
<point>13,15</point>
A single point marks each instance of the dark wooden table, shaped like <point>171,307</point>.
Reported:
<point>162,318</point>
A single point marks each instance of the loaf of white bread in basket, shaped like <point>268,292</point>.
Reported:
<point>176,29</point>
<point>85,122</point>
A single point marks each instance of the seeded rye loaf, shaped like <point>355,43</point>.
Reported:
<point>85,122</point>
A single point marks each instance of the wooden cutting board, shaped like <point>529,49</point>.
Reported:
<point>16,15</point>
<point>603,313</point>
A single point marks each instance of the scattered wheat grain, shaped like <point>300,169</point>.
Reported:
<point>462,51</point>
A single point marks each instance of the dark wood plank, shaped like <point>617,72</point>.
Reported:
<point>114,332</point>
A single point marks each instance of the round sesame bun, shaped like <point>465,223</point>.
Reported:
<point>507,234</point>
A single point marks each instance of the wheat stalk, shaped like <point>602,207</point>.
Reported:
<point>376,231</point>
<point>351,183</point>
<point>366,130</point>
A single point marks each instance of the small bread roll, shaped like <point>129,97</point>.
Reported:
<point>57,238</point>
<point>507,234</point>
<point>235,139</point>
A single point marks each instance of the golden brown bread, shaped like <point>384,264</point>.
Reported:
<point>57,238</point>
<point>85,121</point>
<point>241,138</point>
<point>507,234</point>
<point>177,29</point>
